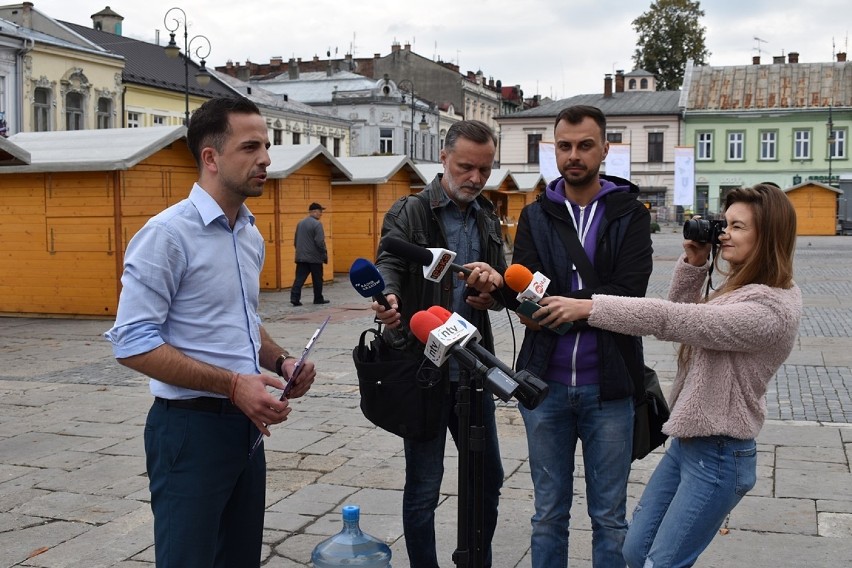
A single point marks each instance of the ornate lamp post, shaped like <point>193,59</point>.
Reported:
<point>423,124</point>
<point>831,141</point>
<point>173,50</point>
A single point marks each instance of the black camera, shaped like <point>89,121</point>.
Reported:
<point>704,230</point>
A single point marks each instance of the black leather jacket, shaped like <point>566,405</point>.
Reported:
<point>407,220</point>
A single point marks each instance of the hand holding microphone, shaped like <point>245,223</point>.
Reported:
<point>531,290</point>
<point>368,281</point>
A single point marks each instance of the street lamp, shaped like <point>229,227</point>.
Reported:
<point>173,50</point>
<point>423,124</point>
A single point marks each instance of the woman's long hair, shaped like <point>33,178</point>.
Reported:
<point>771,260</point>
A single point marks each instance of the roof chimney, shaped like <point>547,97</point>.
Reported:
<point>407,46</point>
<point>395,47</point>
<point>778,59</point>
<point>841,57</point>
<point>793,57</point>
<point>293,69</point>
<point>755,60</point>
<point>619,81</point>
<point>608,86</point>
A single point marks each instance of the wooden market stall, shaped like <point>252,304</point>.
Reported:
<point>297,177</point>
<point>71,200</point>
<point>816,207</point>
<point>360,204</point>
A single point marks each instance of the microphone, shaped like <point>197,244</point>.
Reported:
<point>444,341</point>
<point>529,286</point>
<point>436,261</point>
<point>368,281</point>
<point>519,279</point>
<point>530,390</point>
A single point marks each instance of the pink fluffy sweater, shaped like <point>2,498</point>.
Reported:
<point>738,339</point>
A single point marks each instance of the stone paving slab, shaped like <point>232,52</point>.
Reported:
<point>72,474</point>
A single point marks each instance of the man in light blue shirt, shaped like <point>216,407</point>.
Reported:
<point>187,318</point>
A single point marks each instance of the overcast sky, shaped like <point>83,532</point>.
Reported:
<point>555,48</point>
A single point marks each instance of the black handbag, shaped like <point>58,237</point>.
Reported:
<point>649,404</point>
<point>402,392</point>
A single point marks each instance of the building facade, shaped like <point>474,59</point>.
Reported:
<point>784,122</point>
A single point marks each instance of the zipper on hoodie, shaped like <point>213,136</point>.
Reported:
<point>581,226</point>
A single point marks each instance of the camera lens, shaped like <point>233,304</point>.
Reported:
<point>697,230</point>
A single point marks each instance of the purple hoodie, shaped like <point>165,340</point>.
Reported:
<point>574,360</point>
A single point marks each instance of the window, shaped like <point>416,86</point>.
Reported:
<point>386,141</point>
<point>134,120</point>
<point>613,137</point>
<point>74,111</point>
<point>631,84</point>
<point>837,144</point>
<point>336,151</point>
<point>324,141</point>
<point>735,146</point>
<point>158,120</point>
<point>104,112</point>
<point>643,84</point>
<point>801,144</point>
<point>41,110</point>
<point>704,146</point>
<point>532,148</point>
<point>297,138</point>
<point>277,137</point>
<point>769,145</point>
<point>655,147</point>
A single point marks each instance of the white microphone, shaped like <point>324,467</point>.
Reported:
<point>436,261</point>
<point>536,289</point>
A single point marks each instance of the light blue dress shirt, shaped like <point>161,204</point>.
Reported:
<point>191,282</point>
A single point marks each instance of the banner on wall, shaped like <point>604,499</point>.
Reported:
<point>684,190</point>
<point>617,161</point>
<point>547,161</point>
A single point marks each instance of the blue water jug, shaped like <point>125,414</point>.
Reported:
<point>351,546</point>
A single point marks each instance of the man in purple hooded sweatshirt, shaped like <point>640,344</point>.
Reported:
<point>591,373</point>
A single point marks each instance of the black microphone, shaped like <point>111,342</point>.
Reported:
<point>436,262</point>
<point>368,281</point>
<point>530,390</point>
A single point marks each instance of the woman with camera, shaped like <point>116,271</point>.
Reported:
<point>732,343</point>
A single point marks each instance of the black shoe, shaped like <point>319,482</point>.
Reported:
<point>322,301</point>
<point>296,303</point>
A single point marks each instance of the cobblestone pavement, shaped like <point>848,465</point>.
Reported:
<point>73,490</point>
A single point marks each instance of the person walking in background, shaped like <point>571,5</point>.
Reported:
<point>449,213</point>
<point>187,317</point>
<point>732,343</point>
<point>591,373</point>
<point>311,254</point>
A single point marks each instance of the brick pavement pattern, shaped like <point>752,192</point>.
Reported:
<point>73,489</point>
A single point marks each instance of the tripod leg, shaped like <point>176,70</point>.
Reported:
<point>461,556</point>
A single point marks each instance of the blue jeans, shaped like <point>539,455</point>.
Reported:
<point>605,429</point>
<point>424,470</point>
<point>207,497</point>
<point>697,483</point>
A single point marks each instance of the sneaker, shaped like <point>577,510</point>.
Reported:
<point>296,303</point>
<point>322,301</point>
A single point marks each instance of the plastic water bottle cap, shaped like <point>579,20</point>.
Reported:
<point>351,512</point>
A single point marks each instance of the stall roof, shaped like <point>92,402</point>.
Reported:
<point>90,150</point>
<point>527,181</point>
<point>379,169</point>
<point>287,159</point>
<point>12,155</point>
<point>815,183</point>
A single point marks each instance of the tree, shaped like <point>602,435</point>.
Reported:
<point>670,34</point>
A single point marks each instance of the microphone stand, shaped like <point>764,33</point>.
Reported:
<point>471,438</point>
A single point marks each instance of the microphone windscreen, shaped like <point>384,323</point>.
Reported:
<point>442,313</point>
<point>404,249</point>
<point>422,323</point>
<point>518,277</point>
<point>366,278</point>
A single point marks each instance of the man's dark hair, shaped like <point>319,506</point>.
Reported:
<point>209,124</point>
<point>577,113</point>
<point>473,130</point>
